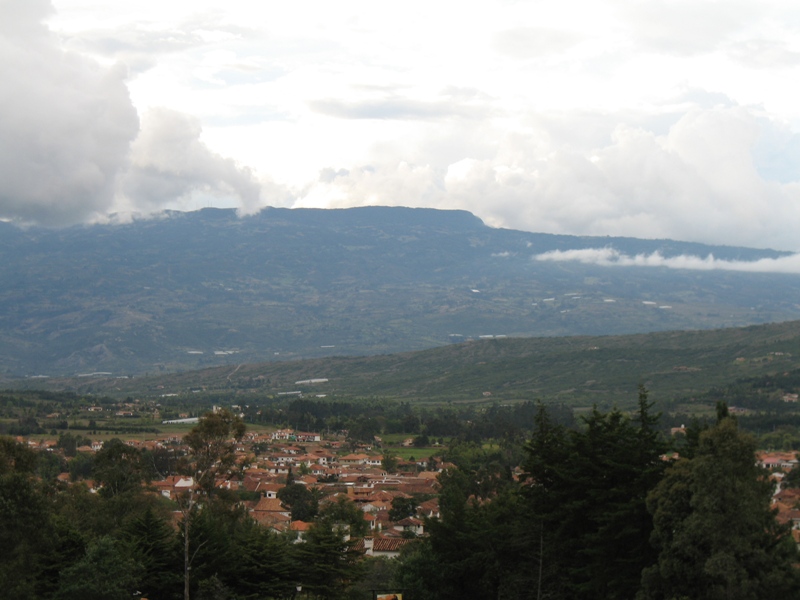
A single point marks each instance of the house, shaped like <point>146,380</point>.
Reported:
<point>173,485</point>
<point>412,524</point>
<point>429,509</point>
<point>270,512</point>
<point>354,459</point>
<point>372,521</point>
<point>300,528</point>
<point>380,546</point>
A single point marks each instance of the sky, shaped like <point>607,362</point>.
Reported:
<point>645,118</point>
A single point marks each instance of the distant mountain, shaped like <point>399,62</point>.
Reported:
<point>192,290</point>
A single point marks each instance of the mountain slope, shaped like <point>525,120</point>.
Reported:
<point>197,289</point>
<point>578,370</point>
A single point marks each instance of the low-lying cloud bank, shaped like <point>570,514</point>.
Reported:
<point>609,257</point>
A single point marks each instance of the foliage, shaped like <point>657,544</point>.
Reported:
<point>389,461</point>
<point>715,532</point>
<point>587,501</point>
<point>153,545</point>
<point>265,566</point>
<point>103,573</point>
<point>344,511</point>
<point>402,507</point>
<point>301,501</point>
<point>378,573</point>
<point>330,562</point>
<point>23,521</point>
<point>212,444</point>
<point>117,467</point>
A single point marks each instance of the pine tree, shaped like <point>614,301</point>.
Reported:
<point>714,530</point>
<point>263,566</point>
<point>329,562</point>
<point>155,546</point>
<point>588,502</point>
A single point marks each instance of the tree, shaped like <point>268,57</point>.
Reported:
<point>419,572</point>
<point>80,466</point>
<point>402,508</point>
<point>588,502</point>
<point>212,445</point>
<point>264,567</point>
<point>153,544</point>
<point>24,520</point>
<point>301,501</point>
<point>344,511</point>
<point>103,573</point>
<point>378,573</point>
<point>70,443</point>
<point>714,530</point>
<point>389,461</point>
<point>329,562</point>
<point>117,468</point>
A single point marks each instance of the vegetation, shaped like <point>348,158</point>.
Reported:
<point>600,514</point>
<point>309,283</point>
<point>580,509</point>
<point>576,371</point>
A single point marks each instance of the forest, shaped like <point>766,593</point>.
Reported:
<point>594,507</point>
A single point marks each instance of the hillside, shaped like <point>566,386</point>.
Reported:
<point>579,371</point>
<point>194,290</point>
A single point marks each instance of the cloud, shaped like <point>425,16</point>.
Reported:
<point>714,176</point>
<point>170,162</point>
<point>534,42</point>
<point>761,54</point>
<point>72,148</point>
<point>454,102</point>
<point>609,257</point>
<point>649,119</point>
<point>65,124</point>
<point>687,27</point>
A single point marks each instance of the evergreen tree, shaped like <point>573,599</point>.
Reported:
<point>418,571</point>
<point>263,566</point>
<point>23,518</point>
<point>154,545</point>
<point>327,562</point>
<point>588,502</point>
<point>105,572</point>
<point>300,500</point>
<point>715,532</point>
<point>478,547</point>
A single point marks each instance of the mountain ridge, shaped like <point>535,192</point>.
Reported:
<point>190,290</point>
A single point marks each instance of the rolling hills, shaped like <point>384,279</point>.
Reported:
<point>577,370</point>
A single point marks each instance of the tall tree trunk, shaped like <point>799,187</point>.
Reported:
<point>186,565</point>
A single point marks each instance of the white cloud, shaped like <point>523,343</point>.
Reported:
<point>688,27</point>
<point>706,179</point>
<point>72,148</point>
<point>609,257</point>
<point>667,118</point>
<point>169,163</point>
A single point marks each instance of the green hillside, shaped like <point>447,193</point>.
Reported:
<point>575,370</point>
